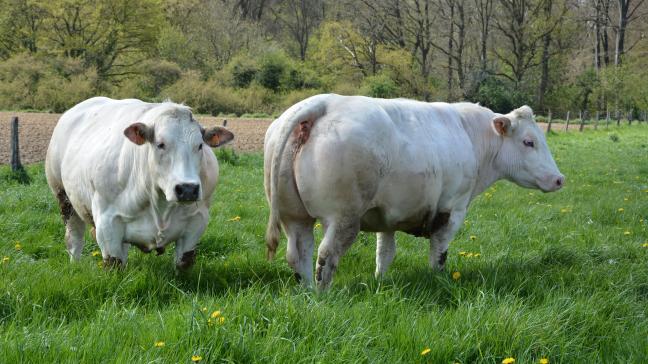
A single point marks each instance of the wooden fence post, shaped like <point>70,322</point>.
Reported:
<point>629,117</point>
<point>582,120</point>
<point>618,117</point>
<point>15,147</point>
<point>596,121</point>
<point>549,124</point>
<point>567,121</point>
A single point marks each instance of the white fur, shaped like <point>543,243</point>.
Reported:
<point>127,189</point>
<point>389,165</point>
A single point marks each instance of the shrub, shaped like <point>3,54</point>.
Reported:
<point>205,97</point>
<point>58,94</point>
<point>243,70</point>
<point>272,69</point>
<point>380,86</point>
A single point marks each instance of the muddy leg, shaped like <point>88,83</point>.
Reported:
<point>338,238</point>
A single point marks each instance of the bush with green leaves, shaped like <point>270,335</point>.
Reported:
<point>380,86</point>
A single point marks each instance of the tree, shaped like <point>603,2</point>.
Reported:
<point>300,17</point>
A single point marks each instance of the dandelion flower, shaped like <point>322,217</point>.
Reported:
<point>96,253</point>
<point>204,309</point>
<point>470,255</point>
<point>159,344</point>
<point>5,259</point>
<point>18,246</point>
<point>625,199</point>
<point>235,218</point>
<point>318,226</point>
<point>426,351</point>
<point>462,254</point>
<point>100,264</point>
<point>565,210</point>
<point>621,209</point>
<point>196,358</point>
<point>645,245</point>
<point>456,275</point>
<point>543,361</point>
<point>508,361</point>
<point>626,232</point>
<point>221,320</point>
<point>473,237</point>
<point>215,314</point>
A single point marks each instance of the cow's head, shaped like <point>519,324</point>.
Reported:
<point>177,145</point>
<point>524,157</point>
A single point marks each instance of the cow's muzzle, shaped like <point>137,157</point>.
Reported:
<point>187,192</point>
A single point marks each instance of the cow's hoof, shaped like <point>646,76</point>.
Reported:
<point>159,250</point>
<point>187,261</point>
<point>112,262</point>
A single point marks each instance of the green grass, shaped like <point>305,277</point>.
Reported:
<point>558,277</point>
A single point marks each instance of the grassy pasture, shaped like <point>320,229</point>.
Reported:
<point>562,276</point>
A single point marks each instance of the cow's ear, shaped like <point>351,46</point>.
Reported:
<point>217,136</point>
<point>502,125</point>
<point>139,133</point>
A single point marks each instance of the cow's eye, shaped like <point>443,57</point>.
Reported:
<point>161,146</point>
<point>528,143</point>
<point>200,146</point>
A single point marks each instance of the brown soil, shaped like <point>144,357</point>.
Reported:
<point>35,131</point>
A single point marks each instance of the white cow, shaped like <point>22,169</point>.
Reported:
<point>138,172</point>
<point>358,163</point>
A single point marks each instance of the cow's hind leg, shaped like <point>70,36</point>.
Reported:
<point>74,226</point>
<point>385,252</point>
<point>299,253</point>
<point>338,237</point>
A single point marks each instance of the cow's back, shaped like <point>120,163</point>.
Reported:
<point>397,156</point>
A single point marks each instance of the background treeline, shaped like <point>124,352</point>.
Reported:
<point>261,56</point>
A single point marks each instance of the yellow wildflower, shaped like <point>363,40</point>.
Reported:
<point>462,254</point>
<point>159,344</point>
<point>100,264</point>
<point>456,275</point>
<point>96,253</point>
<point>470,255</point>
<point>477,255</point>
<point>543,361</point>
<point>645,245</point>
<point>508,361</point>
<point>204,309</point>
<point>215,314</point>
<point>426,351</point>
<point>235,218</point>
<point>18,246</point>
<point>620,209</point>
<point>221,320</point>
<point>626,232</point>
<point>5,259</point>
<point>318,226</point>
<point>473,237</point>
<point>565,210</point>
<point>196,358</point>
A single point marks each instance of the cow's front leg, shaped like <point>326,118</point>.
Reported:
<point>185,250</point>
<point>385,252</point>
<point>444,227</point>
<point>110,236</point>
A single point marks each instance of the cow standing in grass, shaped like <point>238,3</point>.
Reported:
<point>140,173</point>
<point>358,163</point>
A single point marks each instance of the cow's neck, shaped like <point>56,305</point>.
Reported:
<point>486,145</point>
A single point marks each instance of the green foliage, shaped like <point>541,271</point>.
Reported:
<point>272,70</point>
<point>500,97</point>
<point>558,277</point>
<point>227,155</point>
<point>380,86</point>
<point>204,96</point>
<point>243,70</point>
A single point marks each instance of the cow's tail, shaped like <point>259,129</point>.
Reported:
<point>306,111</point>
